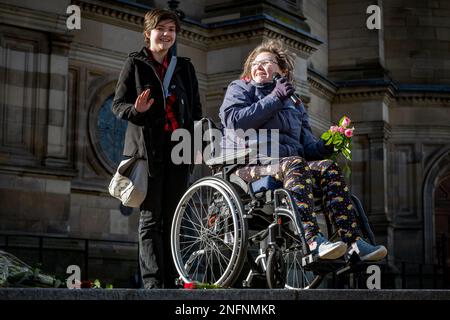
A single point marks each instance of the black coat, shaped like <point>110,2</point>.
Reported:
<point>137,75</point>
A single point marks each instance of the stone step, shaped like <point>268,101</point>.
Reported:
<point>221,294</point>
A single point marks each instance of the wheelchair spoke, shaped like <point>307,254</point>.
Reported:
<point>220,264</point>
<point>190,252</point>
<point>220,253</point>
<point>214,248</point>
<point>202,206</point>
<point>189,228</point>
<point>195,274</point>
<point>223,242</point>
<point>199,214</point>
<point>209,196</point>
<point>194,210</point>
<point>298,277</point>
<point>196,226</point>
<point>209,265</point>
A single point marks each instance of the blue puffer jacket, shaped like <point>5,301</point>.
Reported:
<point>248,105</point>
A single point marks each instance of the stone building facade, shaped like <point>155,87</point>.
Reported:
<point>56,133</point>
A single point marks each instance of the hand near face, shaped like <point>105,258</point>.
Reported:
<point>143,101</point>
<point>283,89</point>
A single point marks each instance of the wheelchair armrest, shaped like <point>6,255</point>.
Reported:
<point>238,156</point>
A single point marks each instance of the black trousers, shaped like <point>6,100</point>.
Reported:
<point>165,189</point>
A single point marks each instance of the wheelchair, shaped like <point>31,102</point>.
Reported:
<point>231,233</point>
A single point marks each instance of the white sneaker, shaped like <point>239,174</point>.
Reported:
<point>326,249</point>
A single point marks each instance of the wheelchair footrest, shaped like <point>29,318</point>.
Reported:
<point>354,267</point>
<point>325,266</point>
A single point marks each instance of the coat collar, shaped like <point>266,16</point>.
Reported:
<point>143,55</point>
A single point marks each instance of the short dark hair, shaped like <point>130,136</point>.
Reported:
<point>155,16</point>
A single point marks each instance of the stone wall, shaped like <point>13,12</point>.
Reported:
<point>355,52</point>
<point>417,41</point>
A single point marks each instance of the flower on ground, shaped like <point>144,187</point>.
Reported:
<point>199,285</point>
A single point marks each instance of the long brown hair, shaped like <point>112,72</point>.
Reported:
<point>285,58</point>
<point>155,16</point>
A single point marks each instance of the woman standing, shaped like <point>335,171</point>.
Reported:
<point>155,107</point>
<point>257,101</point>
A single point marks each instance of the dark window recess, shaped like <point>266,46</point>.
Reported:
<point>111,132</point>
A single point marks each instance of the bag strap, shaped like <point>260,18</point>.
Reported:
<point>169,74</point>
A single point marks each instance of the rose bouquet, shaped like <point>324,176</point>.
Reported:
<point>340,137</point>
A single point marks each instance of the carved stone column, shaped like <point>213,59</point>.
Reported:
<point>58,114</point>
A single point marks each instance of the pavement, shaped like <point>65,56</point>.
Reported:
<point>222,294</point>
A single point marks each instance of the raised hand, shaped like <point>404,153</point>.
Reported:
<point>143,101</point>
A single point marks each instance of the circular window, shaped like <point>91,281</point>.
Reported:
<point>111,132</point>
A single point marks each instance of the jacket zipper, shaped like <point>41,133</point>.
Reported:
<point>159,80</point>
<point>182,112</point>
<point>164,102</point>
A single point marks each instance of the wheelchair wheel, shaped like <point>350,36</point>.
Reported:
<point>209,233</point>
<point>276,268</point>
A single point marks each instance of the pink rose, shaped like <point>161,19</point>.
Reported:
<point>349,133</point>
<point>346,122</point>
<point>333,129</point>
<point>341,130</point>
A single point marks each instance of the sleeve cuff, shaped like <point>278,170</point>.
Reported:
<point>324,149</point>
<point>134,112</point>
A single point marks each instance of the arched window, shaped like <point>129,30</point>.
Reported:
<point>110,132</point>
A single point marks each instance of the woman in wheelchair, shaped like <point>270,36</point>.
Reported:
<point>262,100</point>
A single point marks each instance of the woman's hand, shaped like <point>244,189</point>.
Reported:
<point>283,89</point>
<point>143,101</point>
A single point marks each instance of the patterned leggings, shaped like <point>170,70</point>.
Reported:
<point>302,178</point>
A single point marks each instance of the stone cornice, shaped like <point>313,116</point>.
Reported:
<point>390,92</point>
<point>33,19</point>
<point>320,85</point>
<point>303,47</point>
<point>421,98</point>
<point>374,129</point>
<point>102,57</point>
<point>350,94</point>
<point>411,133</point>
<point>110,13</point>
<point>204,36</point>
<point>208,38</point>
<point>38,171</point>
